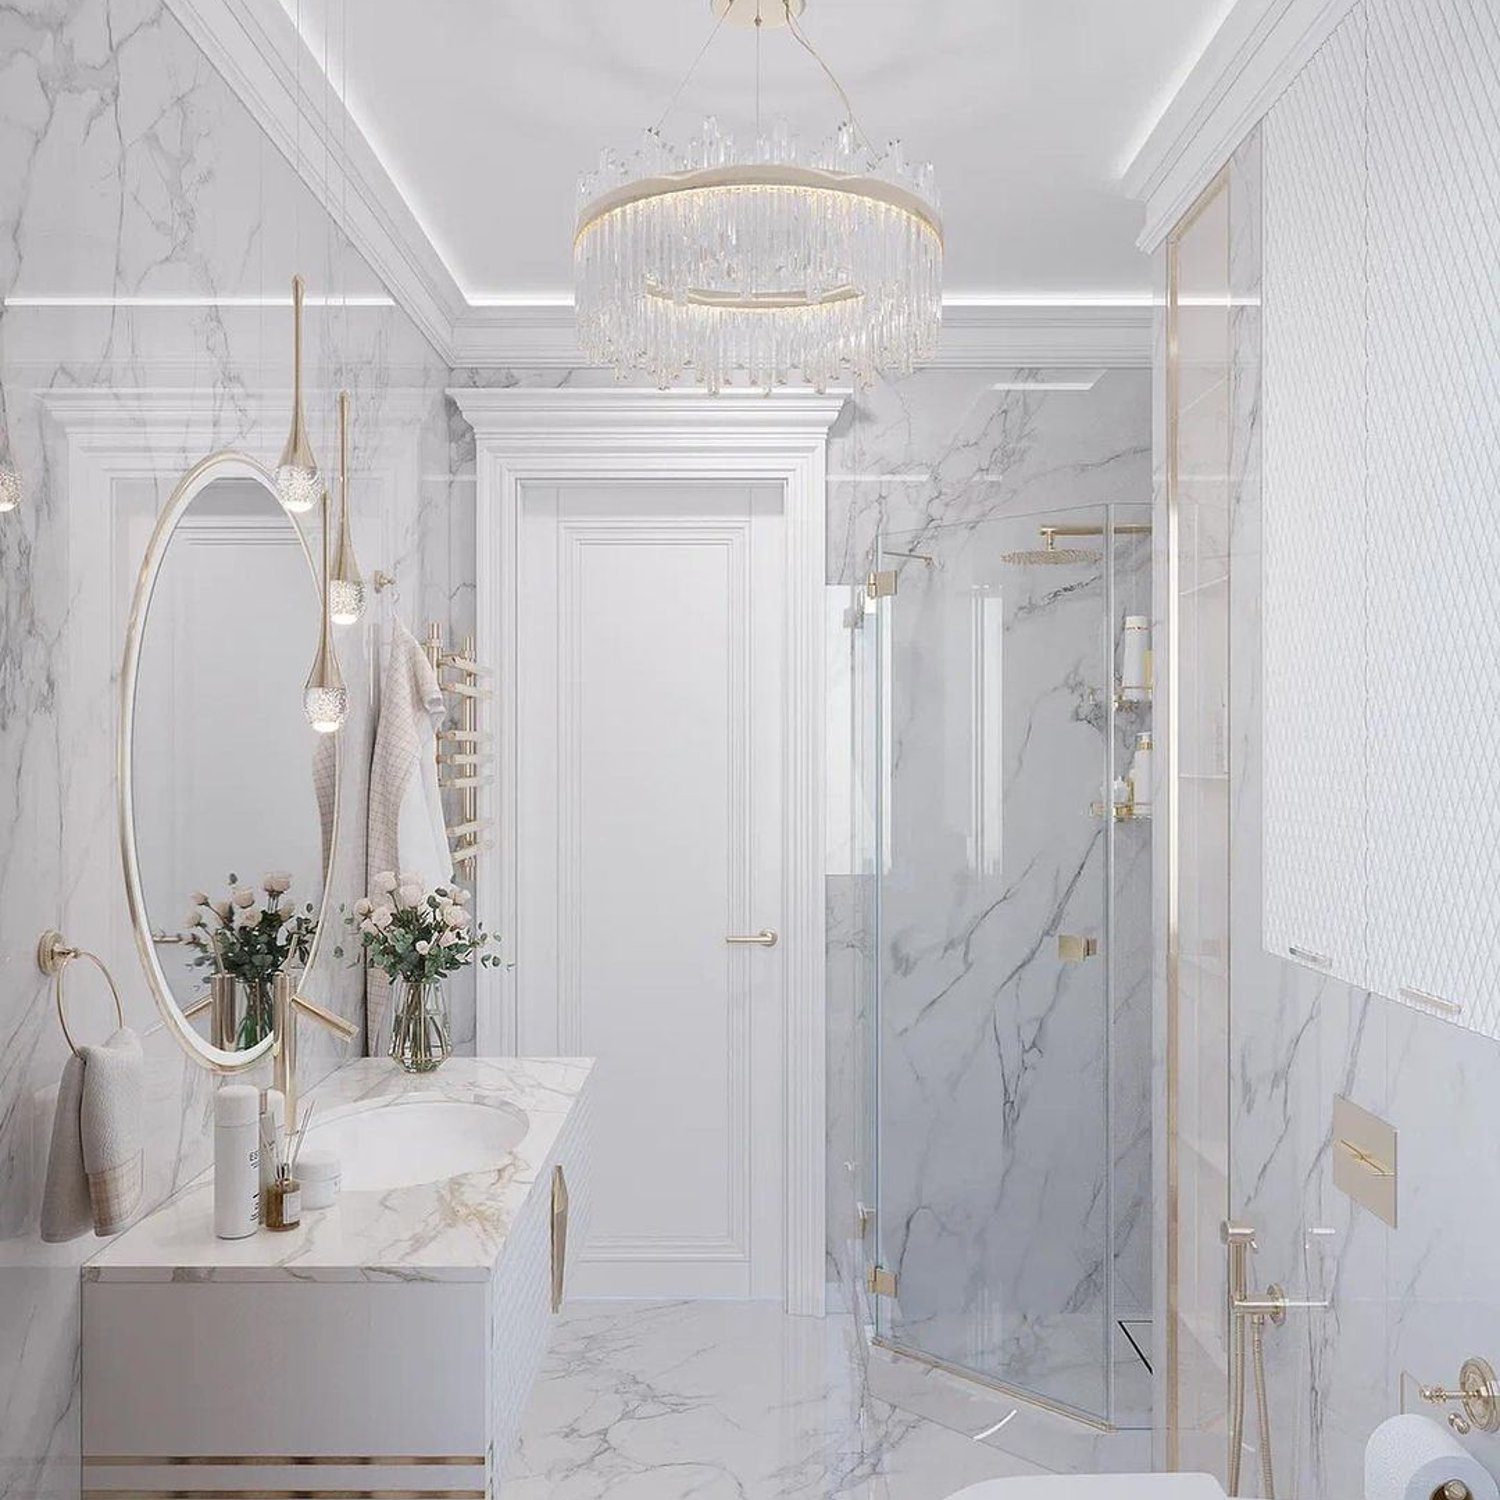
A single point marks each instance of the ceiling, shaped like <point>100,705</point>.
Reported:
<point>484,112</point>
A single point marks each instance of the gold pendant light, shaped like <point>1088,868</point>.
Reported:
<point>346,585</point>
<point>297,481</point>
<point>325,700</point>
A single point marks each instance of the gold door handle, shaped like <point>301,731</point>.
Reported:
<point>765,938</point>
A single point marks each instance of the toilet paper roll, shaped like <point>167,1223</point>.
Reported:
<point>1412,1458</point>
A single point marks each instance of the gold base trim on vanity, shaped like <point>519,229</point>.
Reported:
<point>260,1492</point>
<point>280,1461</point>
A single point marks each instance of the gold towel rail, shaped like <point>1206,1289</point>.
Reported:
<point>459,672</point>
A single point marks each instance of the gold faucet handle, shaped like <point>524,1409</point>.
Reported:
<point>344,1030</point>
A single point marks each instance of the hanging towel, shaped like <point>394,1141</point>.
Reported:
<point>65,1197</point>
<point>407,832</point>
<point>110,1123</point>
<point>96,1161</point>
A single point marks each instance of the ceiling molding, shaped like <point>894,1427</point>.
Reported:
<point>977,338</point>
<point>257,50</point>
<point>581,417</point>
<point>1260,48</point>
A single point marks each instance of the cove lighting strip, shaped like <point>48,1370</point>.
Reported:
<point>85,300</point>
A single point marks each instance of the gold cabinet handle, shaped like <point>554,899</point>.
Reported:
<point>559,1236</point>
<point>765,938</point>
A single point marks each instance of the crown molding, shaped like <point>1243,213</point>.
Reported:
<point>973,337</point>
<point>257,50</point>
<point>618,417</point>
<point>1260,48</point>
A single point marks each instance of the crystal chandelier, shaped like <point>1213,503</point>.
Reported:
<point>762,259</point>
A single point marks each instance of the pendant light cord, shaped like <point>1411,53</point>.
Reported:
<point>687,77</point>
<point>801,39</point>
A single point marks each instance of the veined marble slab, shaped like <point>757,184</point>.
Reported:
<point>448,1230</point>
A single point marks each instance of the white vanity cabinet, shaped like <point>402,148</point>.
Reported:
<point>387,1345</point>
<point>1382,557</point>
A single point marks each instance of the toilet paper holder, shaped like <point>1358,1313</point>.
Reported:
<point>1477,1397</point>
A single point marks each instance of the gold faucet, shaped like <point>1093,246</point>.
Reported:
<point>286,1006</point>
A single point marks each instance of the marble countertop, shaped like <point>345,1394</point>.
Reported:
<point>449,1230</point>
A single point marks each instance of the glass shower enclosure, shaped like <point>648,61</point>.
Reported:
<point>1010,1039</point>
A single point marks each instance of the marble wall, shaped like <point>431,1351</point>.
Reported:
<point>999,1103</point>
<point>128,170</point>
<point>1372,1303</point>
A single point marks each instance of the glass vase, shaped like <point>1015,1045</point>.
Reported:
<point>258,1018</point>
<point>420,1038</point>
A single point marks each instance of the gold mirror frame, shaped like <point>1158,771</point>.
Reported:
<point>222,465</point>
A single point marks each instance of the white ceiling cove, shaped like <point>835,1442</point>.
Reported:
<point>484,112</point>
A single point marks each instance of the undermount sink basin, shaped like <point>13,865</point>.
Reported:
<point>409,1142</point>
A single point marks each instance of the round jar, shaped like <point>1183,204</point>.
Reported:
<point>320,1175</point>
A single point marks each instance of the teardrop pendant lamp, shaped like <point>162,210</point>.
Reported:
<point>297,482</point>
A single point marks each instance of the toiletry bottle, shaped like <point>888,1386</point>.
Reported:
<point>1140,772</point>
<point>236,1161</point>
<point>272,1134</point>
<point>284,1201</point>
<point>1135,679</point>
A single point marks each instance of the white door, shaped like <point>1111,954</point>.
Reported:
<point>649,781</point>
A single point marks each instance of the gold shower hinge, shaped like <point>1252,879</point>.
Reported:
<point>881,585</point>
<point>882,1283</point>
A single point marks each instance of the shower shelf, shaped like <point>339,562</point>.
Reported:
<point>1121,813</point>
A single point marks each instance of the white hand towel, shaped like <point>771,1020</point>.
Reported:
<point>406,830</point>
<point>65,1198</point>
<point>111,1128</point>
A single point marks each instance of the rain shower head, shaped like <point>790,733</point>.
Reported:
<point>1050,554</point>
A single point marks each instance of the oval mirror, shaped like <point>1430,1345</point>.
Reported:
<point>228,799</point>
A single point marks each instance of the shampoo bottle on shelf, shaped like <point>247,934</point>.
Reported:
<point>1140,773</point>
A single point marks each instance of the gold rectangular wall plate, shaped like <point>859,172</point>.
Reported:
<point>1072,948</point>
<point>882,1283</point>
<point>881,585</point>
<point>1364,1158</point>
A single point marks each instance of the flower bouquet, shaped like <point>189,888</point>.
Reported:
<point>252,941</point>
<point>416,937</point>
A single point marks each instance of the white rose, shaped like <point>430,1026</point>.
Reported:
<point>460,895</point>
<point>221,909</point>
<point>193,919</point>
<point>456,918</point>
<point>277,883</point>
<point>448,939</point>
<point>200,898</point>
<point>423,946</point>
<point>363,907</point>
<point>247,917</point>
<point>385,882</point>
<point>382,917</point>
<point>243,896</point>
<point>409,895</point>
<point>368,925</point>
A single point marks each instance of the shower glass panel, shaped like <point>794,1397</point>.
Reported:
<point>1012,1099</point>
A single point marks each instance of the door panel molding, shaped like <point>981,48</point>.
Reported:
<point>542,437</point>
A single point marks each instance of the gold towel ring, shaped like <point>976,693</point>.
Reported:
<point>53,956</point>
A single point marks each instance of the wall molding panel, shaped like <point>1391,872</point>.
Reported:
<point>1259,49</point>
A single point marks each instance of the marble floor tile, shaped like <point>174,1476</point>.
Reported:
<point>727,1401</point>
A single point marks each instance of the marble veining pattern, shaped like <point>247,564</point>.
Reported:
<point>727,1401</point>
<point>128,168</point>
<point>449,1230</point>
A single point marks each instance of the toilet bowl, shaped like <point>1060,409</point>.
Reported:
<point>1096,1487</point>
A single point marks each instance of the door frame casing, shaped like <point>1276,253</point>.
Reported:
<point>554,437</point>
